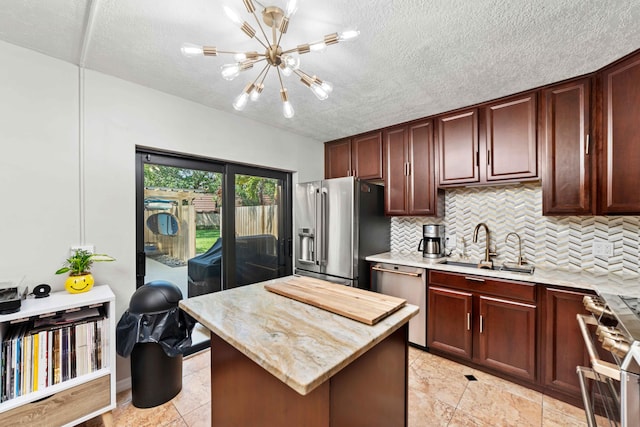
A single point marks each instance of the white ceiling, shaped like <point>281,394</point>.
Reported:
<point>413,58</point>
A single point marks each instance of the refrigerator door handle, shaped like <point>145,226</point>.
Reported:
<point>323,227</point>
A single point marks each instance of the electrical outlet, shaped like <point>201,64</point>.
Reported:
<point>88,248</point>
<point>602,248</point>
<point>451,242</point>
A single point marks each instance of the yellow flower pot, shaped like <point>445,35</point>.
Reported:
<point>76,284</point>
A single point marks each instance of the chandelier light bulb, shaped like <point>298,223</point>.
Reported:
<point>287,109</point>
<point>292,7</point>
<point>241,101</point>
<point>318,47</point>
<point>319,92</point>
<point>190,50</point>
<point>327,87</point>
<point>230,71</point>
<point>239,57</point>
<point>255,93</point>
<point>233,16</point>
<point>348,35</point>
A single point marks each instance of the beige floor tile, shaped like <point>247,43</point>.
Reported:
<point>195,363</point>
<point>505,385</point>
<point>200,417</point>
<point>550,404</point>
<point>554,418</point>
<point>498,407</point>
<point>424,409</point>
<point>127,415</point>
<point>196,391</point>
<point>462,419</point>
<point>437,381</point>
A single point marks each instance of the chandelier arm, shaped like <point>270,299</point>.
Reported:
<point>280,78</point>
<point>262,30</point>
<point>266,68</point>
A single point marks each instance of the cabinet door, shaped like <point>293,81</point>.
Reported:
<point>458,148</point>
<point>512,151</point>
<point>395,172</point>
<point>568,149</point>
<point>337,158</point>
<point>421,183</point>
<point>564,347</point>
<point>367,156</point>
<point>507,336</point>
<point>449,322</point>
<point>620,165</point>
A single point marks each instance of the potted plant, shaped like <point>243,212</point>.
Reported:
<point>79,265</point>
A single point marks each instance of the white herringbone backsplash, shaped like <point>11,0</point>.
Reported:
<point>554,241</point>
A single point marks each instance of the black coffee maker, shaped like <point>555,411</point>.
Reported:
<point>432,243</point>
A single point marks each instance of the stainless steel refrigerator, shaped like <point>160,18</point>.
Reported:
<point>339,222</point>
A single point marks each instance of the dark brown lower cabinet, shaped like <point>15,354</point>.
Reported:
<point>524,332</point>
<point>563,345</point>
<point>489,322</point>
<point>449,321</point>
<point>507,336</point>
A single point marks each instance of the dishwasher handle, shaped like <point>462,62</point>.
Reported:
<point>405,273</point>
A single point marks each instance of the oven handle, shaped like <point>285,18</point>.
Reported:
<point>600,366</point>
<point>588,408</point>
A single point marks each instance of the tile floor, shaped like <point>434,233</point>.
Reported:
<point>439,395</point>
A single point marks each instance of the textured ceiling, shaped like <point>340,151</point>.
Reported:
<point>413,58</point>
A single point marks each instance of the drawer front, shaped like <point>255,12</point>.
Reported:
<point>486,285</point>
<point>61,408</point>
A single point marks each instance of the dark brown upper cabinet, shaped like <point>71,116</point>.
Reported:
<point>494,143</point>
<point>410,187</point>
<point>511,143</point>
<point>568,148</point>
<point>458,148</point>
<point>359,156</point>
<point>619,165</point>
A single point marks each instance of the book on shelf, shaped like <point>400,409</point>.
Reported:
<point>42,351</point>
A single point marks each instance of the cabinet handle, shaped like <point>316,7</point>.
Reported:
<point>489,157</point>
<point>408,169</point>
<point>386,270</point>
<point>586,145</point>
<point>474,279</point>
<point>477,158</point>
<point>355,172</point>
<point>468,321</point>
<point>481,324</point>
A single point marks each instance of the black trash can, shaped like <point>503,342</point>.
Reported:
<point>155,332</point>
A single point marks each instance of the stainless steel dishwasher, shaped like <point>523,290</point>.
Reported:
<point>409,283</point>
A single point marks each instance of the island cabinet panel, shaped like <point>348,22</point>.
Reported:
<point>458,148</point>
<point>511,143</point>
<point>337,159</point>
<point>563,346</point>
<point>370,391</point>
<point>410,187</point>
<point>366,156</point>
<point>507,336</point>
<point>620,160</point>
<point>449,322</point>
<point>568,149</point>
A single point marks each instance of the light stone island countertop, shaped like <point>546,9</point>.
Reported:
<point>299,344</point>
<point>579,279</point>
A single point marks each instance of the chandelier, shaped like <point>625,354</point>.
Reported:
<point>284,61</point>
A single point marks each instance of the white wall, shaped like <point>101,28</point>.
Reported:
<point>43,161</point>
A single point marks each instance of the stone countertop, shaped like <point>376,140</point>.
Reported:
<point>299,344</point>
<point>579,279</point>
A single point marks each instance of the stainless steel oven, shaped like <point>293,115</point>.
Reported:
<point>612,386</point>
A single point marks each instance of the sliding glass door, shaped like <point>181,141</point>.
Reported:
<point>207,226</point>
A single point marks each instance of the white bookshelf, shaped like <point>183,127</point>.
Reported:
<point>57,403</point>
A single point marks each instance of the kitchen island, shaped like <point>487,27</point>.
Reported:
<point>279,362</point>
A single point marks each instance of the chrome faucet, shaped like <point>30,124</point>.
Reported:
<point>486,262</point>
<point>521,260</point>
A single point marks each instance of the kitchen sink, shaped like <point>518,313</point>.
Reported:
<point>514,268</point>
